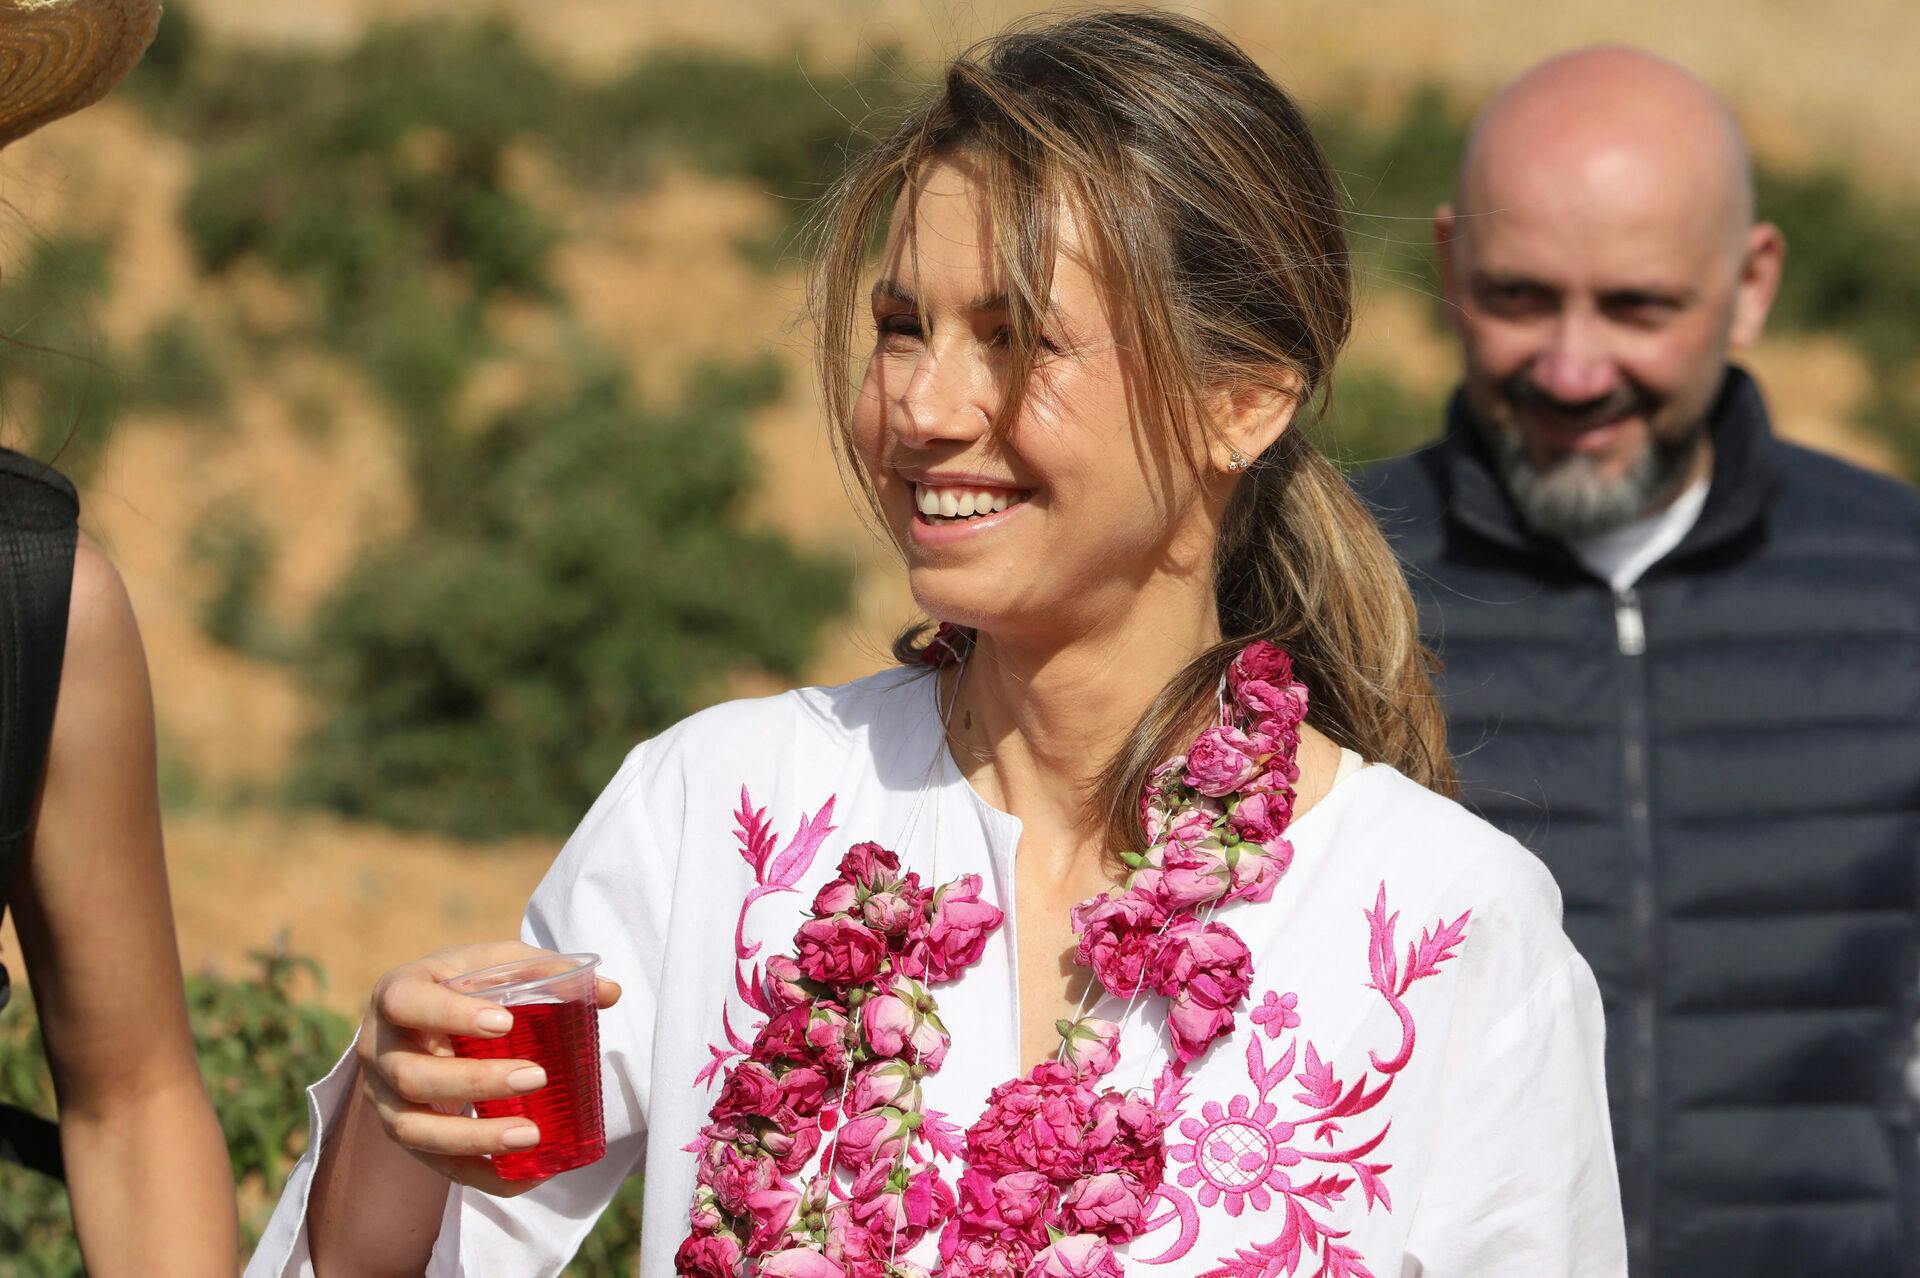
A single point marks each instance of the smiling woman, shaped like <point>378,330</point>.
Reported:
<point>1170,755</point>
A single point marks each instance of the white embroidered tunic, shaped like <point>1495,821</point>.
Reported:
<point>1388,1105</point>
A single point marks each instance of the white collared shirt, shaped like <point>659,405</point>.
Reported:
<point>1483,1107</point>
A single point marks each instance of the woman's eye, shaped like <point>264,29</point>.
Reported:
<point>896,330</point>
<point>1003,339</point>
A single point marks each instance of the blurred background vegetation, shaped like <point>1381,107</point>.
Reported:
<point>431,392</point>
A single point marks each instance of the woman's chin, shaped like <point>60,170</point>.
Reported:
<point>973,595</point>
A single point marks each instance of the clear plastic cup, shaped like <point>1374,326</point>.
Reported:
<point>556,1025</point>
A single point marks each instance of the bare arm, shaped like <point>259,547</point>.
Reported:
<point>147,1168</point>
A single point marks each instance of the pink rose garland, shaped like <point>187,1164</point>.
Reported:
<point>1057,1171</point>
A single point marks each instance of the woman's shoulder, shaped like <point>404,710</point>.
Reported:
<point>1396,831</point>
<point>789,741</point>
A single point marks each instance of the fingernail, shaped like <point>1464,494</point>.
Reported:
<point>494,1020</point>
<point>521,1137</point>
<point>529,1078</point>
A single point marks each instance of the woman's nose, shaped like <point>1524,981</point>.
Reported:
<point>943,400</point>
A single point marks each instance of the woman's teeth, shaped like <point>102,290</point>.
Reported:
<point>961,503</point>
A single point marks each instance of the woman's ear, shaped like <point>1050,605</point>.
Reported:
<point>1249,417</point>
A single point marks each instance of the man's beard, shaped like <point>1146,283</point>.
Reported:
<point>1569,499</point>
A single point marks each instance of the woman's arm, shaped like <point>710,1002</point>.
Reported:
<point>147,1169</point>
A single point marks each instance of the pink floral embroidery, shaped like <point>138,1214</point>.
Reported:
<point>771,874</point>
<point>1275,1146</point>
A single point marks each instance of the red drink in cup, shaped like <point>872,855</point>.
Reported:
<point>556,1025</point>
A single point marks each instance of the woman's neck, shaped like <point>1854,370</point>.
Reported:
<point>1034,721</point>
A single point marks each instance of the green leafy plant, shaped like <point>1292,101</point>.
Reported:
<point>57,371</point>
<point>234,548</point>
<point>260,1042</point>
<point>578,580</point>
<point>179,370</point>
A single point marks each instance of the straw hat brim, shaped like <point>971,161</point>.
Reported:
<point>57,56</point>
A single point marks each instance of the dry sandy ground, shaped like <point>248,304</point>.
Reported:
<point>655,277</point>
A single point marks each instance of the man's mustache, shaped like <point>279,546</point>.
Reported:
<point>1625,400</point>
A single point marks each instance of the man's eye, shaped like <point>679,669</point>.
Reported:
<point>1515,299</point>
<point>1640,310</point>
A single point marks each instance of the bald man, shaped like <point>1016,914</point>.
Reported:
<point>1683,664</point>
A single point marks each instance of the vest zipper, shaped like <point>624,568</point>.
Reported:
<point>1638,1168</point>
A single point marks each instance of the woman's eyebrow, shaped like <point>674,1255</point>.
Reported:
<point>894,291</point>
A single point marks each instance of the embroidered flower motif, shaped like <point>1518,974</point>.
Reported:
<point>1236,1154</point>
<point>1254,1153</point>
<point>1276,1013</point>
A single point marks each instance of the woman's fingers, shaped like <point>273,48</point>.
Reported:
<point>606,992</point>
<point>453,1145</point>
<point>414,1000</point>
<point>425,1079</point>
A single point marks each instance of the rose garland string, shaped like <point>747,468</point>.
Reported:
<point>1057,1170</point>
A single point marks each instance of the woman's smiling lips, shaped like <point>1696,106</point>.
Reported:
<point>948,508</point>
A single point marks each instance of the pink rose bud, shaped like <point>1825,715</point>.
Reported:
<point>706,1211</point>
<point>1075,1256</point>
<point>870,867</point>
<point>773,1213</point>
<point>1110,1204</point>
<point>886,1022</point>
<point>708,1255</point>
<point>1092,1044</point>
<point>1224,759</point>
<point>1194,1026</point>
<point>836,896</point>
<point>890,913</point>
<point>882,1134</point>
<point>927,1045</point>
<point>953,934</point>
<point>799,1262</point>
<point>1117,937</point>
<point>1263,661</point>
<point>883,1083</point>
<point>786,984</point>
<point>839,951</point>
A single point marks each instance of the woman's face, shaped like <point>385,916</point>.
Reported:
<point>1082,516</point>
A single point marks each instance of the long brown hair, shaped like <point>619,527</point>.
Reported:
<point>1214,218</point>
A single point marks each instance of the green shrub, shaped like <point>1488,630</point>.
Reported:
<point>232,546</point>
<point>1373,416</point>
<point>777,123</point>
<point>577,581</point>
<point>59,390</point>
<point>179,370</point>
<point>259,1045</point>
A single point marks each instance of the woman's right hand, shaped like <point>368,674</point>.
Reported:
<point>419,1089</point>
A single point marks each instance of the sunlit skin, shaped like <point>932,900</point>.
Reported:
<point>1601,261</point>
<point>1090,591</point>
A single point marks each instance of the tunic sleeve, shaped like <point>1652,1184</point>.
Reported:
<point>1522,1180</point>
<point>608,892</point>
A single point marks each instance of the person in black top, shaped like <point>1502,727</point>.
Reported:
<point>1683,664</point>
<point>81,862</point>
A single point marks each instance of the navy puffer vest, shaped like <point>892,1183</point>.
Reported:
<point>1721,766</point>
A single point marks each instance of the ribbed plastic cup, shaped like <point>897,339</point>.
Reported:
<point>556,1025</point>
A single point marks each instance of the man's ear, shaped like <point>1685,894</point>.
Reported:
<point>1250,416</point>
<point>1764,254</point>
